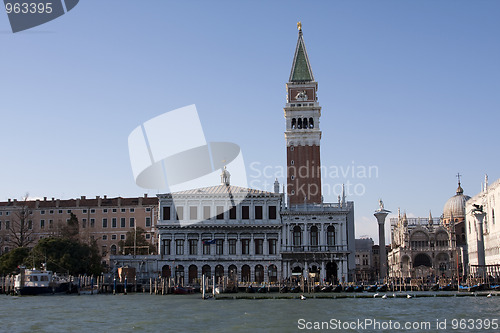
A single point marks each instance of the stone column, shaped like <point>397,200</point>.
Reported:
<point>381,214</point>
<point>479,214</point>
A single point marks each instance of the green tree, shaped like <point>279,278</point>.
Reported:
<point>68,256</point>
<point>11,260</point>
<point>136,239</point>
<point>71,228</point>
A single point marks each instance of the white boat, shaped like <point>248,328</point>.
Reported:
<point>36,282</point>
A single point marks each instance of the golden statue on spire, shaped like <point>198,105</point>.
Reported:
<point>299,26</point>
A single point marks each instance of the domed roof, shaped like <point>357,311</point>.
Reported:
<point>455,206</point>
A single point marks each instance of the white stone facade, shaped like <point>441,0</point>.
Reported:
<point>489,199</point>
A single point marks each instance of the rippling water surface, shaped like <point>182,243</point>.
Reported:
<point>179,313</point>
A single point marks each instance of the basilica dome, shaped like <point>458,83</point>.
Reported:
<point>455,206</point>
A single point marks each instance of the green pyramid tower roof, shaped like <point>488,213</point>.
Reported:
<point>301,69</point>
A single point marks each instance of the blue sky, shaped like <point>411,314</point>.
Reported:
<point>408,87</point>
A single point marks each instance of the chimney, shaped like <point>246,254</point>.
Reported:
<point>9,199</point>
<point>37,203</point>
<point>83,197</point>
<point>99,201</point>
<point>145,195</point>
<point>44,198</point>
<point>53,198</point>
<point>105,196</point>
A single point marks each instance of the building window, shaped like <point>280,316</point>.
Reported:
<point>179,246</point>
<point>104,223</point>
<point>114,210</point>
<point>92,223</point>
<point>219,247</point>
<point>42,224</point>
<point>113,237</point>
<point>245,246</point>
<point>245,212</point>
<point>206,212</point>
<point>148,209</point>
<point>272,246</point>
<point>166,213</point>
<point>232,213</point>
<point>113,222</point>
<point>105,210</point>
<point>258,212</point>
<point>122,222</point>
<point>220,213</point>
<point>148,222</point>
<point>104,237</point>
<point>84,223</point>
<point>330,235</point>
<point>113,249</point>
<point>206,247</point>
<point>259,246</point>
<point>193,213</point>
<point>166,246</point>
<point>132,210</point>
<point>314,236</point>
<point>30,225</point>
<point>122,237</point>
<point>7,225</point>
<point>132,222</point>
<point>297,236</point>
<point>41,212</point>
<point>123,210</point>
<point>92,211</point>
<point>69,211</point>
<point>193,247</point>
<point>232,246</point>
<point>51,224</point>
<point>148,236</point>
<point>84,211</point>
<point>60,211</point>
<point>272,212</point>
<point>180,213</point>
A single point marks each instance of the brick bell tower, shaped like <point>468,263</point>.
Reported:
<point>302,134</point>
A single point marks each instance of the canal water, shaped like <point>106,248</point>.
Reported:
<point>188,313</point>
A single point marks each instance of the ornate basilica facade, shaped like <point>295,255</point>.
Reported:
<point>430,248</point>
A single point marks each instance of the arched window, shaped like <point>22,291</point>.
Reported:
<point>294,123</point>
<point>245,273</point>
<point>330,235</point>
<point>311,123</point>
<point>193,274</point>
<point>299,123</point>
<point>207,271</point>
<point>314,236</point>
<point>297,236</point>
<point>113,250</point>
<point>259,274</point>
<point>219,273</point>
<point>272,273</point>
<point>233,272</point>
<point>304,123</point>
